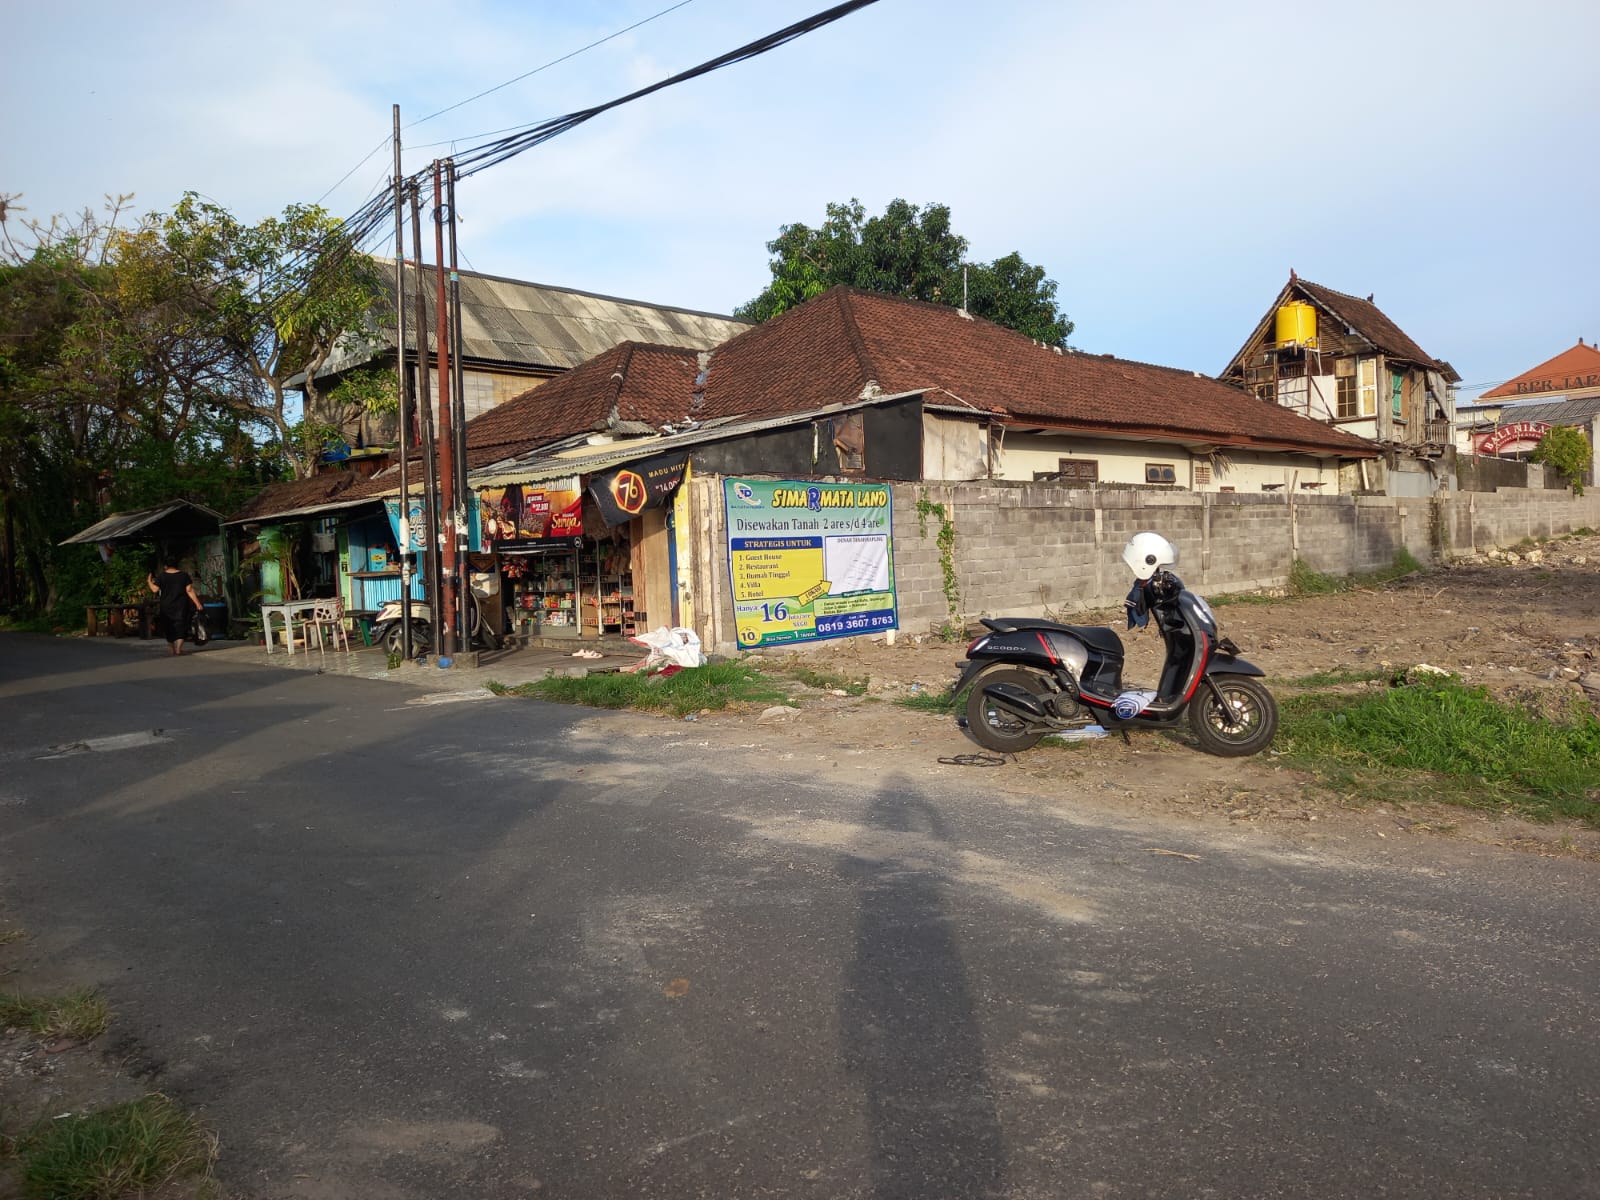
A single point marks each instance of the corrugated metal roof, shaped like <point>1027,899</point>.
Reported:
<point>537,468</point>
<point>126,525</point>
<point>311,510</point>
<point>534,324</point>
<point>1555,412</point>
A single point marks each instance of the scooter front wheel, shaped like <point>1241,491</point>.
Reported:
<point>1242,722</point>
<point>993,727</point>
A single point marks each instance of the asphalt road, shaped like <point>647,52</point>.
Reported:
<point>498,948</point>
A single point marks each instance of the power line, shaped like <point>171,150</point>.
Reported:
<point>496,152</point>
<point>360,226</point>
<point>497,87</point>
<point>553,62</point>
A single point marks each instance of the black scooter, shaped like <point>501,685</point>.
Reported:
<point>1028,678</point>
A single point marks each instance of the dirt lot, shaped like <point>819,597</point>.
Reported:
<point>1524,624</point>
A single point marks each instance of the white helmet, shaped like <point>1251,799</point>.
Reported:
<point>1147,552</point>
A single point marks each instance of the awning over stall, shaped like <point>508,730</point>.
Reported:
<point>173,521</point>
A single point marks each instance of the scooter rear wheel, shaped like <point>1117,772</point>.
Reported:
<point>1242,724</point>
<point>421,637</point>
<point>991,726</point>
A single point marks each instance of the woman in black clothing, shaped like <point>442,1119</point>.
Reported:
<point>176,590</point>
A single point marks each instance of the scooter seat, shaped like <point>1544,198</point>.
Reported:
<point>1096,637</point>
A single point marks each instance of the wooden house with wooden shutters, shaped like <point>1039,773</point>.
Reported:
<point>1339,359</point>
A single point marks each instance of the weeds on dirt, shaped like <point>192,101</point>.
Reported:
<point>128,1150</point>
<point>822,681</point>
<point>1305,580</point>
<point>1485,754</point>
<point>1340,675</point>
<point>80,1015</point>
<point>713,687</point>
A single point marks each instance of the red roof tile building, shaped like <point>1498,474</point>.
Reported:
<point>992,403</point>
<point>1572,375</point>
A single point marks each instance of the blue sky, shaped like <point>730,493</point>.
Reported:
<point>1166,164</point>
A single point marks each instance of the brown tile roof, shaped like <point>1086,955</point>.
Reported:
<point>838,346</point>
<point>1367,319</point>
<point>829,349</point>
<point>1568,371</point>
<point>631,382</point>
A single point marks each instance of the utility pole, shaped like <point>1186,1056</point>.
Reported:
<point>403,391</point>
<point>458,396</point>
<point>448,502</point>
<point>430,492</point>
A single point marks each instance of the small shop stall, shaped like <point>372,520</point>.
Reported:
<point>536,536</point>
<point>183,528</point>
<point>575,551</point>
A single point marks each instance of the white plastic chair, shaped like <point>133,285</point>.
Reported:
<point>328,615</point>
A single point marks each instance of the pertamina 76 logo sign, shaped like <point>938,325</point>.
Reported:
<point>628,490</point>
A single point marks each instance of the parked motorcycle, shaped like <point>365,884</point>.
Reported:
<point>1028,678</point>
<point>386,628</point>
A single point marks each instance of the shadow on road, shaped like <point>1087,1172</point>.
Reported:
<point>909,1030</point>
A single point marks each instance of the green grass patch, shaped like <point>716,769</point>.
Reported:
<point>1228,598</point>
<point>1480,752</point>
<point>129,1150</point>
<point>937,701</point>
<point>713,687</point>
<point>81,1014</point>
<point>31,625</point>
<point>1303,581</point>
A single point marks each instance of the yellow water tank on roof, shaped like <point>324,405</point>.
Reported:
<point>1297,325</point>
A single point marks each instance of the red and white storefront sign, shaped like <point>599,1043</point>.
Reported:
<point>1516,438</point>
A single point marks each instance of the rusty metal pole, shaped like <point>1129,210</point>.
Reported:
<point>447,484</point>
<point>430,493</point>
<point>458,396</point>
<point>403,389</point>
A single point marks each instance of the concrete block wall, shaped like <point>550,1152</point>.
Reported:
<point>1032,548</point>
<point>1479,521</point>
<point>1025,549</point>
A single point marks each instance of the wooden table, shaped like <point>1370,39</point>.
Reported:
<point>116,620</point>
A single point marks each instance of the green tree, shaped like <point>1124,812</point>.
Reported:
<point>147,362</point>
<point>911,252</point>
<point>280,295</point>
<point>1567,450</point>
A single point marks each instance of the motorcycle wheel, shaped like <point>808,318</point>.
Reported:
<point>421,638</point>
<point>1242,724</point>
<point>992,726</point>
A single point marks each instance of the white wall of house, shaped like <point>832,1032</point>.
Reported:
<point>1314,396</point>
<point>1023,456</point>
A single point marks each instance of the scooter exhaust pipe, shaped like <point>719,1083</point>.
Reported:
<point>1017,701</point>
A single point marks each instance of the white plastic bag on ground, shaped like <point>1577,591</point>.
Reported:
<point>677,647</point>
